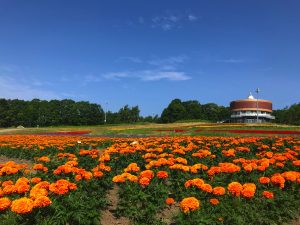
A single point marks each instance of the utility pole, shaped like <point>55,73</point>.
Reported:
<point>105,111</point>
<point>257,91</point>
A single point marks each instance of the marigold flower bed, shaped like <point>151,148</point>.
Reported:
<point>212,180</point>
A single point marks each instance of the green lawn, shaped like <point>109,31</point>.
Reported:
<point>152,129</point>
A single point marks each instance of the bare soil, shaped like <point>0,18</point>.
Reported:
<point>107,215</point>
<point>4,159</point>
<point>168,213</point>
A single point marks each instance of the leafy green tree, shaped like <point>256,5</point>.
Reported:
<point>175,111</point>
<point>193,109</point>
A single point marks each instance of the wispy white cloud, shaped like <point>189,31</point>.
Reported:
<point>141,20</point>
<point>166,22</point>
<point>174,60</point>
<point>231,60</point>
<point>160,75</point>
<point>12,88</point>
<point>130,59</point>
<point>148,75</point>
<point>192,17</point>
<point>91,79</point>
<point>17,84</point>
<point>172,20</point>
<point>116,75</point>
<point>160,69</point>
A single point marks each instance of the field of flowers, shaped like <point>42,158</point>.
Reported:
<point>202,180</point>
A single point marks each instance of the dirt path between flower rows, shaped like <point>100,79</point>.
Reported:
<point>4,159</point>
<point>107,215</point>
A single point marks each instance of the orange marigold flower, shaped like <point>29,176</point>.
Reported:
<point>87,175</point>
<point>268,194</point>
<point>235,188</point>
<point>219,191</point>
<point>162,174</point>
<point>62,187</point>
<point>144,181</point>
<point>36,192</point>
<point>132,167</point>
<point>188,183</point>
<point>170,201</point>
<point>147,173</point>
<point>4,203</point>
<point>44,159</point>
<point>264,180</point>
<point>22,205</point>
<point>291,175</point>
<point>189,204</point>
<point>6,183</point>
<point>132,178</point>
<point>98,174</point>
<point>118,179</point>
<point>9,189</point>
<point>38,166</point>
<point>23,188</point>
<point>35,180</point>
<point>41,201</point>
<point>277,179</point>
<point>214,201</point>
<point>43,184</point>
<point>198,182</point>
<point>248,192</point>
<point>207,188</point>
<point>296,163</point>
<point>78,177</point>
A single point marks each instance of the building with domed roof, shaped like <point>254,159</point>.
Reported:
<point>251,110</point>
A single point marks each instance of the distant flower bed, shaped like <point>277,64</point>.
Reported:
<point>67,133</point>
<point>175,130</point>
<point>287,132</point>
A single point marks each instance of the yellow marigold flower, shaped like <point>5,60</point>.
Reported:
<point>22,205</point>
<point>189,204</point>
<point>4,203</point>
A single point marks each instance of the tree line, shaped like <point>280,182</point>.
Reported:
<point>193,110</point>
<point>288,115</point>
<point>62,112</point>
<point>68,112</point>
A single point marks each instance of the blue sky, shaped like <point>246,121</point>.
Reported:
<point>147,53</point>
